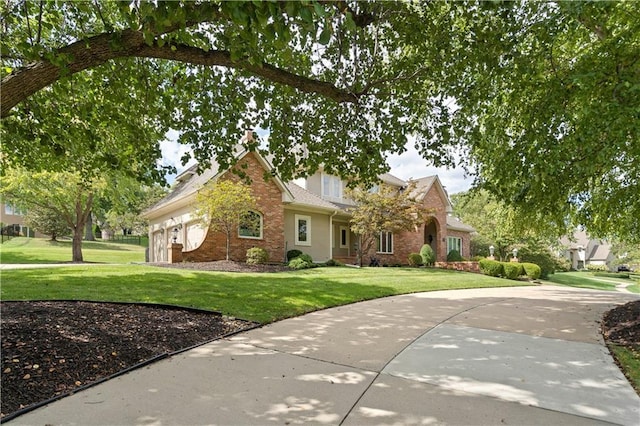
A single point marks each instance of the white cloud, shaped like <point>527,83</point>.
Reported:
<point>410,164</point>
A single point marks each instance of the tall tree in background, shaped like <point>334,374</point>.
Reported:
<point>387,210</point>
<point>543,97</point>
<point>65,194</point>
<point>224,205</point>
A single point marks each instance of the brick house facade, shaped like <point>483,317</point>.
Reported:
<point>318,208</point>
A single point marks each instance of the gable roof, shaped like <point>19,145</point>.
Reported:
<point>423,185</point>
<point>189,182</point>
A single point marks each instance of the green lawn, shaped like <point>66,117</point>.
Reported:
<point>262,297</point>
<point>41,250</point>
<point>587,280</point>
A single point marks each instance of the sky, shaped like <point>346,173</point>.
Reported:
<point>405,166</point>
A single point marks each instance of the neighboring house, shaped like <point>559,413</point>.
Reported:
<point>12,221</point>
<point>581,250</point>
<point>311,217</point>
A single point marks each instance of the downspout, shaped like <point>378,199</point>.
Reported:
<point>332,237</point>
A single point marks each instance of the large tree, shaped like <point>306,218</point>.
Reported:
<point>542,96</point>
<point>67,194</point>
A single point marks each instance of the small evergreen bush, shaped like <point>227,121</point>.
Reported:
<point>493,268</point>
<point>300,263</point>
<point>415,259</point>
<point>292,254</point>
<point>427,254</point>
<point>532,270</point>
<point>454,256</point>
<point>511,270</point>
<point>257,255</point>
<point>333,262</point>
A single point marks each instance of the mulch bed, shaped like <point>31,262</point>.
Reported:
<point>53,348</point>
<point>621,326</point>
<point>225,266</point>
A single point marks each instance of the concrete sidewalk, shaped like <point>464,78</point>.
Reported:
<point>522,355</point>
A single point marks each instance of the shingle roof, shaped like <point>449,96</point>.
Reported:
<point>304,197</point>
<point>456,224</point>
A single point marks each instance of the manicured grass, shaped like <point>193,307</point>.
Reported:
<point>629,358</point>
<point>41,250</point>
<point>586,280</point>
<point>262,297</point>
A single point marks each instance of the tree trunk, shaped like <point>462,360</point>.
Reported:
<point>228,244</point>
<point>76,248</point>
<point>88,229</point>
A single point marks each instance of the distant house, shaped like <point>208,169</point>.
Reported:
<point>12,221</point>
<point>581,251</point>
<point>311,216</point>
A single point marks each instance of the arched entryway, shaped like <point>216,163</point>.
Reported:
<point>431,234</point>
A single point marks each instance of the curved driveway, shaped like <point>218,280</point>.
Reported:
<point>522,355</point>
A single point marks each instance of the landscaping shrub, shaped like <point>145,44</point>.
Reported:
<point>427,254</point>
<point>511,270</point>
<point>531,270</point>
<point>257,255</point>
<point>493,268</point>
<point>562,264</point>
<point>541,257</point>
<point>300,263</point>
<point>597,268</point>
<point>415,259</point>
<point>292,254</point>
<point>333,262</point>
<point>454,256</point>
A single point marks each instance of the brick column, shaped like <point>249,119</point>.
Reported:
<point>175,253</point>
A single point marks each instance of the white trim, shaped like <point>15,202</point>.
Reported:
<point>346,231</point>
<point>298,218</point>
<point>380,242</point>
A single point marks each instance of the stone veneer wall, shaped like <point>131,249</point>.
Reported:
<point>269,200</point>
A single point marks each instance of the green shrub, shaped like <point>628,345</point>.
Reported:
<point>541,257</point>
<point>597,268</point>
<point>454,256</point>
<point>562,264</point>
<point>532,270</point>
<point>300,263</point>
<point>333,262</point>
<point>493,268</point>
<point>292,254</point>
<point>511,270</point>
<point>307,258</point>
<point>415,259</point>
<point>257,255</point>
<point>427,254</point>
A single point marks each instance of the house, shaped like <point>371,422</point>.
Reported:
<point>12,221</point>
<point>581,251</point>
<point>310,216</point>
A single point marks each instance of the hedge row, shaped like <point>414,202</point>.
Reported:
<point>509,270</point>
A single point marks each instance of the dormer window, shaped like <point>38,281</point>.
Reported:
<point>331,186</point>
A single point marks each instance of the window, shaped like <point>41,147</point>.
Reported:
<point>331,186</point>
<point>385,242</point>
<point>13,210</point>
<point>303,230</point>
<point>250,225</point>
<point>454,243</point>
<point>344,237</point>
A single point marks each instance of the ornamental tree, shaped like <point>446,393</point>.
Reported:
<point>389,209</point>
<point>224,205</point>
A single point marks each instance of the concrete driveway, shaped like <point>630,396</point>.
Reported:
<point>522,355</point>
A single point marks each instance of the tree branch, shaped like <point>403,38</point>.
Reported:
<point>99,49</point>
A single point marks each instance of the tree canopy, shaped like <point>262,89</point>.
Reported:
<point>543,98</point>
